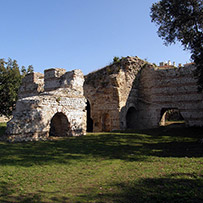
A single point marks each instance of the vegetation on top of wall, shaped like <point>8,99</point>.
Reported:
<point>101,76</point>
<point>117,60</point>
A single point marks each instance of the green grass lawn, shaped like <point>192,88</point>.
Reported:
<point>160,165</point>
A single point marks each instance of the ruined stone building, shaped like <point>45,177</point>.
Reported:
<point>49,104</point>
<point>128,94</point>
<point>132,94</point>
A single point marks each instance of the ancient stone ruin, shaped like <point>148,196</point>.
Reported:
<point>133,94</point>
<point>128,94</point>
<point>49,104</point>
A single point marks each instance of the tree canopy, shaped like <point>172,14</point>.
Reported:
<point>182,20</point>
<point>10,81</point>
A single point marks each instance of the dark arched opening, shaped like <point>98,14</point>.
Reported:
<point>89,119</point>
<point>171,116</point>
<point>131,118</point>
<point>59,125</point>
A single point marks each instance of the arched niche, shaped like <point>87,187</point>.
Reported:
<point>131,118</point>
<point>89,119</point>
<point>106,123</point>
<point>171,116</point>
<point>59,125</point>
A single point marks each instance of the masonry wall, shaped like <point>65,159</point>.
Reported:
<point>128,94</point>
<point>132,94</point>
<point>45,103</point>
<point>172,88</point>
<point>109,91</point>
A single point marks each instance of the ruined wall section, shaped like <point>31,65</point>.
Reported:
<point>128,85</point>
<point>168,89</point>
<point>100,88</point>
<point>32,84</point>
<point>109,91</point>
<point>63,93</point>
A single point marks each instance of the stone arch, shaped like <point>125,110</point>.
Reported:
<point>171,114</point>
<point>131,118</point>
<point>106,122</point>
<point>59,125</point>
<point>89,119</point>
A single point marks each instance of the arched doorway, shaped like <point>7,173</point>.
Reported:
<point>171,116</point>
<point>89,119</point>
<point>131,118</point>
<point>59,125</point>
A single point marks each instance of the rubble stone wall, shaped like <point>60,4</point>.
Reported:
<point>173,88</point>
<point>128,94</point>
<point>109,92</point>
<point>132,94</point>
<point>45,102</point>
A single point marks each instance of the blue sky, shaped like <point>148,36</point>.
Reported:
<point>81,34</point>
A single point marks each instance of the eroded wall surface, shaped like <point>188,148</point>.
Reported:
<point>133,94</point>
<point>128,94</point>
<point>47,101</point>
<point>172,88</point>
<point>109,92</point>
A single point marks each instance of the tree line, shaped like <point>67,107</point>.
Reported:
<point>10,80</point>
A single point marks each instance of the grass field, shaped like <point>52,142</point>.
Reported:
<point>160,165</point>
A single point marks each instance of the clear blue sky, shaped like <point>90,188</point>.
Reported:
<point>81,34</point>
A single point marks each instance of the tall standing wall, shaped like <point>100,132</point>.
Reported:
<point>110,93</point>
<point>172,88</point>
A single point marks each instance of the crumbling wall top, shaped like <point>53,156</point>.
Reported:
<point>104,75</point>
<point>32,84</point>
<point>59,78</point>
<point>52,79</point>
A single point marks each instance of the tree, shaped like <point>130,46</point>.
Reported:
<point>10,81</point>
<point>30,69</point>
<point>23,71</point>
<point>182,20</point>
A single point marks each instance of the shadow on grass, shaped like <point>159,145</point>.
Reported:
<point>11,193</point>
<point>67,149</point>
<point>125,146</point>
<point>175,131</point>
<point>179,188</point>
<point>2,129</point>
<point>8,194</point>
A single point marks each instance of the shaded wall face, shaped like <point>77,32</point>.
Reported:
<point>104,108</point>
<point>173,88</point>
<point>89,119</point>
<point>106,122</point>
<point>110,93</point>
<point>131,118</point>
<point>146,88</point>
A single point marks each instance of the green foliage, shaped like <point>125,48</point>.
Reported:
<point>116,59</point>
<point>182,21</point>
<point>30,69</point>
<point>23,71</point>
<point>159,165</point>
<point>10,81</point>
